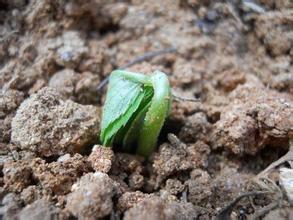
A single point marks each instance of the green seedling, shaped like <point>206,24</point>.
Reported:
<point>135,110</point>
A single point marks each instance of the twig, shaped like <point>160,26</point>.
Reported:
<point>149,55</point>
<point>253,6</point>
<point>263,175</point>
<point>266,210</point>
<point>287,157</point>
<point>263,181</point>
<point>139,59</point>
<point>179,98</point>
<point>225,213</point>
<point>235,15</point>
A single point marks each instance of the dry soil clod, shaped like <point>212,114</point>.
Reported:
<point>47,124</point>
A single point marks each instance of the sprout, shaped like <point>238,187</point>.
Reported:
<point>135,110</point>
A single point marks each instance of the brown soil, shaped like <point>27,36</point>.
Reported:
<point>235,57</point>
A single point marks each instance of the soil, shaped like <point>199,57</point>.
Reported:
<point>233,55</point>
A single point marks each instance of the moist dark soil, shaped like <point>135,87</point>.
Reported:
<point>235,56</point>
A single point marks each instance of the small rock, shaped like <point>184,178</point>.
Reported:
<point>101,158</point>
<point>63,158</point>
<point>10,206</point>
<point>72,49</point>
<point>174,186</point>
<point>136,181</point>
<point>39,210</point>
<point>91,196</point>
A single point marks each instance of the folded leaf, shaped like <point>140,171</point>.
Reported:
<point>135,110</point>
<point>123,98</point>
<point>132,130</point>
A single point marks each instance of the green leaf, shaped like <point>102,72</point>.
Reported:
<point>122,100</point>
<point>133,127</point>
<point>135,110</point>
<point>122,121</point>
<point>132,132</point>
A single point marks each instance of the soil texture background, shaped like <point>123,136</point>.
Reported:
<point>235,56</point>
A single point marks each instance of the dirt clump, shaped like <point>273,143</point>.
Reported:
<point>273,29</point>
<point>185,74</point>
<point>181,110</point>
<point>17,175</point>
<point>10,206</point>
<point>156,208</point>
<point>228,182</point>
<point>128,172</point>
<point>47,124</point>
<point>40,209</point>
<point>72,49</point>
<point>81,88</point>
<point>129,199</point>
<point>9,101</point>
<point>174,186</point>
<point>86,89</point>
<point>282,82</point>
<point>208,189</point>
<point>177,157</point>
<point>91,196</point>
<point>255,118</point>
<point>196,127</point>
<point>135,181</point>
<point>127,163</point>
<point>30,194</point>
<point>199,188</point>
<point>120,185</point>
<point>64,81</point>
<point>56,178</point>
<point>101,158</point>
<point>230,79</point>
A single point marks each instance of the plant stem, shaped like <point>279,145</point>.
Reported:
<point>156,114</point>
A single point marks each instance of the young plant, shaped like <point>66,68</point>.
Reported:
<point>135,110</point>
